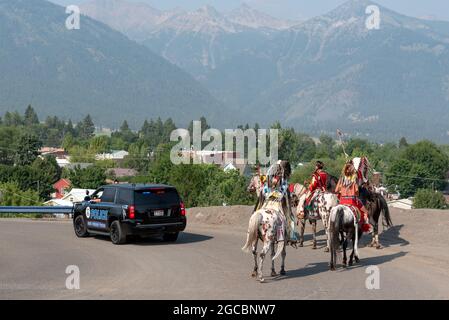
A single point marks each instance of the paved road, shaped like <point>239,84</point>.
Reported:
<point>206,263</point>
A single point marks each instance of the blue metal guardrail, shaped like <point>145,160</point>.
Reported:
<point>37,210</point>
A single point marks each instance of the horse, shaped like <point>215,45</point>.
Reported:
<point>321,209</point>
<point>377,206</point>
<point>342,221</point>
<point>374,201</point>
<point>268,224</point>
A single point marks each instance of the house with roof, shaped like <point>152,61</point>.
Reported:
<point>77,195</point>
<point>61,187</point>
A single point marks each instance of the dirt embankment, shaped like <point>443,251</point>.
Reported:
<point>235,216</point>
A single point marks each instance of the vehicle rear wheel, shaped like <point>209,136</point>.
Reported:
<point>79,224</point>
<point>118,235</point>
<point>170,237</point>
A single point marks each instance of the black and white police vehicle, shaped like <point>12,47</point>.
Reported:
<point>123,210</point>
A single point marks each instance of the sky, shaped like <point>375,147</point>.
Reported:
<point>299,9</point>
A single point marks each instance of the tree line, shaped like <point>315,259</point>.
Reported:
<point>408,169</point>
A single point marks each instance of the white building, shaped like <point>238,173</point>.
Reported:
<point>114,155</point>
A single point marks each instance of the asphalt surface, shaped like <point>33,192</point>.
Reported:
<point>205,263</point>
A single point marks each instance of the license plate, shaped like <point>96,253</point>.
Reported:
<point>158,213</point>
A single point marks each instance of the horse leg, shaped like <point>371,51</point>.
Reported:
<point>373,234</point>
<point>303,226</point>
<point>345,258</point>
<point>314,234</point>
<point>378,245</point>
<point>273,252</point>
<point>353,253</point>
<point>254,273</point>
<point>360,233</point>
<point>283,255</point>
<point>333,251</point>
<point>325,225</point>
<point>376,242</point>
<point>262,255</point>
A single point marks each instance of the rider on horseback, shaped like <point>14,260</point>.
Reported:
<point>348,193</point>
<point>318,184</point>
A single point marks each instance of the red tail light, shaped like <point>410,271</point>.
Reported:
<point>183,209</point>
<point>131,212</point>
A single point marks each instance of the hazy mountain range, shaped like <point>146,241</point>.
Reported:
<point>318,75</point>
<point>95,70</point>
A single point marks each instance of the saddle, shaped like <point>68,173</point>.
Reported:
<point>356,212</point>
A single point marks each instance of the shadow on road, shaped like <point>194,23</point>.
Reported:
<point>184,238</point>
<point>391,237</point>
<point>320,267</point>
<point>387,238</point>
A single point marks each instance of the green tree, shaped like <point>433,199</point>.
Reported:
<point>419,166</point>
<point>403,143</point>
<point>27,149</point>
<point>429,199</point>
<point>326,148</point>
<point>225,188</point>
<point>85,128</point>
<point>88,178</point>
<point>12,195</point>
<point>30,117</point>
<point>12,119</point>
<point>161,167</point>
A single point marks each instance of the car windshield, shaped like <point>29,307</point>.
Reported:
<point>161,196</point>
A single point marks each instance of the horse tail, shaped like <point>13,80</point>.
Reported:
<point>253,229</point>
<point>335,226</point>
<point>386,217</point>
<point>279,249</point>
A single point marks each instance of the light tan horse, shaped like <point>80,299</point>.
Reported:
<point>268,224</point>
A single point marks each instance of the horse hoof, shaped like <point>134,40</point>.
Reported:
<point>273,273</point>
<point>283,273</point>
<point>262,280</point>
<point>326,250</point>
<point>314,247</point>
<point>333,269</point>
<point>301,245</point>
<point>357,260</point>
<point>378,247</point>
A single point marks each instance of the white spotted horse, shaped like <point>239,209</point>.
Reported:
<point>268,224</point>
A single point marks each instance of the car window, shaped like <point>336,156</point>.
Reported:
<point>108,195</point>
<point>157,197</point>
<point>124,196</point>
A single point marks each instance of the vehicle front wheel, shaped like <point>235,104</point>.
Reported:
<point>79,224</point>
<point>118,235</point>
<point>170,237</point>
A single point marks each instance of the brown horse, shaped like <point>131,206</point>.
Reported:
<point>377,206</point>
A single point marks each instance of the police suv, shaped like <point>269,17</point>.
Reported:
<point>122,210</point>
